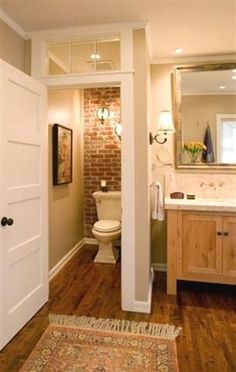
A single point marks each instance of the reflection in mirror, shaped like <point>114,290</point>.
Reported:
<point>205,113</point>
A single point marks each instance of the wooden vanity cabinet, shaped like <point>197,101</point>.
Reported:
<point>201,246</point>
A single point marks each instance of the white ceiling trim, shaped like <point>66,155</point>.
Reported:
<point>105,29</point>
<point>12,24</point>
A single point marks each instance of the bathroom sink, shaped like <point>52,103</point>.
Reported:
<point>225,205</point>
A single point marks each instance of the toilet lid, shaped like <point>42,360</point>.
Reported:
<point>107,225</point>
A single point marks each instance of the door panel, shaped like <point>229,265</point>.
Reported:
<point>23,185</point>
<point>23,164</point>
<point>20,287</point>
<point>28,100</point>
<point>27,218</point>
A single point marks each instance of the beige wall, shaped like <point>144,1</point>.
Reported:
<point>66,201</point>
<point>161,99</point>
<point>142,209</point>
<point>28,57</point>
<point>12,47</point>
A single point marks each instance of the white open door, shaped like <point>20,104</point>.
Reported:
<point>23,200</point>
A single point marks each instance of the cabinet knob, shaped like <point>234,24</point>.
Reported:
<point>226,233</point>
<point>219,233</point>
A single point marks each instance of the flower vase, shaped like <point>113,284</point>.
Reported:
<point>194,156</point>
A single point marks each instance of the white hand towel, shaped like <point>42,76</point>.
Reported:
<point>157,202</point>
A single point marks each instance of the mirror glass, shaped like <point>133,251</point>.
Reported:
<point>205,115</point>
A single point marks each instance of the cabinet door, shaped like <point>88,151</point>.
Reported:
<point>229,246</point>
<point>201,246</point>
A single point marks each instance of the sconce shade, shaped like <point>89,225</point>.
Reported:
<point>165,123</point>
<point>102,113</point>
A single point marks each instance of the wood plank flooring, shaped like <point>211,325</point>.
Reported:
<point>206,313</point>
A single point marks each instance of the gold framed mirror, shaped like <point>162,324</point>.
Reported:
<point>204,111</point>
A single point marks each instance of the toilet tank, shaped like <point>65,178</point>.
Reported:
<point>108,205</point>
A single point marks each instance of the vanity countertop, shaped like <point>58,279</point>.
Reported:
<point>217,205</point>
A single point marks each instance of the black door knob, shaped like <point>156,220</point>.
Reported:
<point>7,221</point>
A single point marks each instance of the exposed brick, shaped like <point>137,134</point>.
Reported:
<point>102,149</point>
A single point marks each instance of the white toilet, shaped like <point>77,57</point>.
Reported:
<point>108,227</point>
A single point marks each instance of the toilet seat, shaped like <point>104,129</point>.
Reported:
<point>107,225</point>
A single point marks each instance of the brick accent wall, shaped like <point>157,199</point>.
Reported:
<point>102,149</point>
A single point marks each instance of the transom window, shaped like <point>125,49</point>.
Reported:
<point>84,56</point>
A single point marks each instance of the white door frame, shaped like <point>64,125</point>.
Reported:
<point>125,79</point>
<point>126,83</point>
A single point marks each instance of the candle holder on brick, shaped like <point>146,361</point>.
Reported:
<point>104,187</point>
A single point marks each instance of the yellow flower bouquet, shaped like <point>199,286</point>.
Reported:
<point>194,149</point>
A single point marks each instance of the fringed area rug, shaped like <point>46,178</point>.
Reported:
<point>85,344</point>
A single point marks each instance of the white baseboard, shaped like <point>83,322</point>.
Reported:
<point>55,270</point>
<point>90,241</point>
<point>145,306</point>
<point>159,266</point>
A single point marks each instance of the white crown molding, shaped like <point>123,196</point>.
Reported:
<point>13,25</point>
<point>194,59</point>
<point>74,32</point>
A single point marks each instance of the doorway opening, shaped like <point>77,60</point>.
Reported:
<point>96,157</point>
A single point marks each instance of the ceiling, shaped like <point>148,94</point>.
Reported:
<point>198,27</point>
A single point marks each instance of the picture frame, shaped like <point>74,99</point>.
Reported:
<point>62,154</point>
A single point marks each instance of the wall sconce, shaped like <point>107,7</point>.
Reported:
<point>118,129</point>
<point>103,113</point>
<point>165,125</point>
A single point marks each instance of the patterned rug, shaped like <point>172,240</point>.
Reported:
<point>96,345</point>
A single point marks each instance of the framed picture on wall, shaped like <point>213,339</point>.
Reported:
<point>62,154</point>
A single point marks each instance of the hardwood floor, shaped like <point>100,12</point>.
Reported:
<point>206,313</point>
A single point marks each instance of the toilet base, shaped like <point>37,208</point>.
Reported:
<point>107,253</point>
